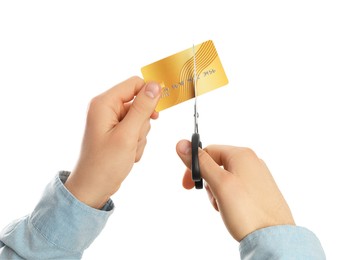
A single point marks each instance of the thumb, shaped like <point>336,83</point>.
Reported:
<point>210,170</point>
<point>143,106</point>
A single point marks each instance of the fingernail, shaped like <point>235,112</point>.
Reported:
<point>185,147</point>
<point>152,90</point>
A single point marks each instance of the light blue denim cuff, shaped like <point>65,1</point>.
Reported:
<point>65,221</point>
<point>281,242</point>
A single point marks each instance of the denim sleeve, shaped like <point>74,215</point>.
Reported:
<point>281,242</point>
<point>60,227</point>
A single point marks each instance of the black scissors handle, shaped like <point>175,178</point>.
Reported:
<point>195,167</point>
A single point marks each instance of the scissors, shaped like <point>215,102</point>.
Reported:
<point>196,143</point>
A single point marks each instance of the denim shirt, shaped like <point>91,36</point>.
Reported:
<point>61,227</point>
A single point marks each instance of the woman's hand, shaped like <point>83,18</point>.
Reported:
<point>118,122</point>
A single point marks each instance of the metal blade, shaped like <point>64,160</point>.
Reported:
<point>195,88</point>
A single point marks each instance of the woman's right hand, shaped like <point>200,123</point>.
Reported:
<point>243,191</point>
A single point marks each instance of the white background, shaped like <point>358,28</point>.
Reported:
<point>295,72</point>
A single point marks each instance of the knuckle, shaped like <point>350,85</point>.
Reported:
<point>263,162</point>
<point>95,102</point>
<point>147,127</point>
<point>136,78</point>
<point>244,152</point>
<point>141,145</point>
<point>138,108</point>
<point>93,108</point>
<point>138,157</point>
<point>144,130</point>
<point>238,155</point>
<point>142,142</point>
<point>209,147</point>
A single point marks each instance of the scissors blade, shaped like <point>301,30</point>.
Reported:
<point>195,142</point>
<point>195,88</point>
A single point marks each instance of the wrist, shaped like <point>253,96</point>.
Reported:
<point>87,191</point>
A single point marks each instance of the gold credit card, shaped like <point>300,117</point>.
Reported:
<point>176,74</point>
